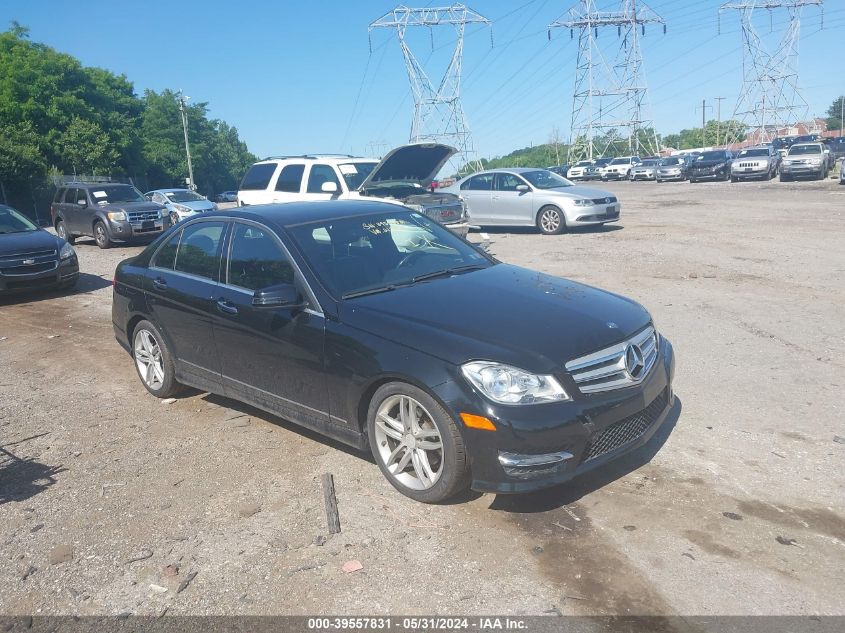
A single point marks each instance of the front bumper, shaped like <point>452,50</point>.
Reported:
<point>538,446</point>
<point>670,175</point>
<point>709,174</point>
<point>124,230</point>
<point>63,273</point>
<point>805,169</point>
<point>595,214</point>
<point>642,175</point>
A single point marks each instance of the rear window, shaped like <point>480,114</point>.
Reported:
<point>258,176</point>
<point>290,179</point>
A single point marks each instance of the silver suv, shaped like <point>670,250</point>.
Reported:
<point>403,177</point>
<point>805,159</point>
<point>755,162</point>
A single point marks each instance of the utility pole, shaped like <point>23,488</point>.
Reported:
<point>719,121</point>
<point>770,98</point>
<point>610,89</point>
<point>184,114</point>
<point>703,107</point>
<point>438,113</point>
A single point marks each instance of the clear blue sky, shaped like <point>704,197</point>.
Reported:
<point>298,76</point>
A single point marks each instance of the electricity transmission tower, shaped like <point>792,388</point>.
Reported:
<point>770,99</point>
<point>610,90</point>
<point>438,114</point>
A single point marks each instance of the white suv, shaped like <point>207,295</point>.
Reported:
<point>402,177</point>
<point>620,167</point>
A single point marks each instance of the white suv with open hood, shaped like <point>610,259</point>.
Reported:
<point>403,177</point>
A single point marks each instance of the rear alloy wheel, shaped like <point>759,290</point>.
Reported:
<point>62,232</point>
<point>101,235</point>
<point>550,221</point>
<point>417,445</point>
<point>153,361</point>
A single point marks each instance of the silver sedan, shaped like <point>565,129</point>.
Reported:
<point>533,197</point>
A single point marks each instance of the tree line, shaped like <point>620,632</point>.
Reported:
<point>60,117</point>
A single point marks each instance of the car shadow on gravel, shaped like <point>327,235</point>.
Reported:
<point>572,491</point>
<point>530,230</point>
<point>22,478</point>
<point>87,283</point>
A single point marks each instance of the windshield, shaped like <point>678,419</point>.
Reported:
<point>583,163</point>
<point>183,195</point>
<point>666,162</point>
<point>13,222</point>
<point>754,152</point>
<point>648,163</point>
<point>356,173</point>
<point>804,149</point>
<point>620,161</point>
<point>601,162</point>
<point>544,179</point>
<point>116,193</point>
<point>712,156</point>
<point>383,251</point>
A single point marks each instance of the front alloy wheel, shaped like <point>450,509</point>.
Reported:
<point>416,444</point>
<point>550,221</point>
<point>101,235</point>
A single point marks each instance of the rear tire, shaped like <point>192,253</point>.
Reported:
<point>428,475</point>
<point>101,235</point>
<point>62,232</point>
<point>153,361</point>
<point>550,221</point>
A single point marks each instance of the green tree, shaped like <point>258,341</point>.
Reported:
<point>21,159</point>
<point>834,113</point>
<point>86,148</point>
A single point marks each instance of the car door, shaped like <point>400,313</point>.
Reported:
<point>182,290</point>
<point>270,356</point>
<point>289,183</point>
<point>477,193</point>
<point>509,205</point>
<point>71,211</point>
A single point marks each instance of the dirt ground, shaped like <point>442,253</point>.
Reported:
<point>110,501</point>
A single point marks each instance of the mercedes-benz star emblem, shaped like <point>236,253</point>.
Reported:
<point>634,360</point>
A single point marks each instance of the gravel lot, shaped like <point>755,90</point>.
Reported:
<point>110,500</point>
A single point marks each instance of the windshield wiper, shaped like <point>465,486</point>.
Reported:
<point>447,272</point>
<point>372,291</point>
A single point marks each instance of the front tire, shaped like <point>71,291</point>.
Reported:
<point>174,217</point>
<point>550,221</point>
<point>62,232</point>
<point>101,235</point>
<point>416,444</point>
<point>153,361</point>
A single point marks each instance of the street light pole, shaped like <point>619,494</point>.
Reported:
<point>184,115</point>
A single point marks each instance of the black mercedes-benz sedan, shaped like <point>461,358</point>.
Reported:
<point>376,326</point>
<point>31,258</point>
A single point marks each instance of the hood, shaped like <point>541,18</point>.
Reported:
<point>40,240</point>
<point>196,205</point>
<point>418,163</point>
<point>503,313</point>
<point>578,192</point>
<point>131,206</point>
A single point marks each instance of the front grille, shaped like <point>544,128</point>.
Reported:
<point>612,367</point>
<point>753,165</point>
<point>608,200</point>
<point>626,430</point>
<point>30,269</point>
<point>142,216</point>
<point>28,263</point>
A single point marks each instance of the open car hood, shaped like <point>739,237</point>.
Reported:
<point>418,162</point>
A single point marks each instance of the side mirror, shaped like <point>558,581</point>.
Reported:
<point>522,188</point>
<point>82,203</point>
<point>280,296</point>
<point>329,187</point>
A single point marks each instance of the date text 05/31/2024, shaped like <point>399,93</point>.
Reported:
<point>416,623</point>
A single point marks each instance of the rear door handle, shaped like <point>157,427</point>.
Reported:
<point>159,284</point>
<point>226,307</point>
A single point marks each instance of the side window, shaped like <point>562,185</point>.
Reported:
<point>507,182</point>
<point>320,174</point>
<point>166,256</point>
<point>157,197</point>
<point>258,176</point>
<point>256,260</point>
<point>290,179</point>
<point>482,182</point>
<point>59,193</point>
<point>81,195</point>
<point>70,195</point>
<point>199,250</point>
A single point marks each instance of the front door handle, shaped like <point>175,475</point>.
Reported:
<point>226,307</point>
<point>159,284</point>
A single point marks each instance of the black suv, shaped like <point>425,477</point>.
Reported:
<point>108,212</point>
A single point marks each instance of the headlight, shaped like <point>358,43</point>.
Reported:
<point>117,216</point>
<point>214,206</point>
<point>815,161</point>
<point>67,252</point>
<point>583,202</point>
<point>181,208</point>
<point>509,385</point>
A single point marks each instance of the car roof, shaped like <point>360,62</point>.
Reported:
<point>168,190</point>
<point>340,158</point>
<point>294,213</point>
